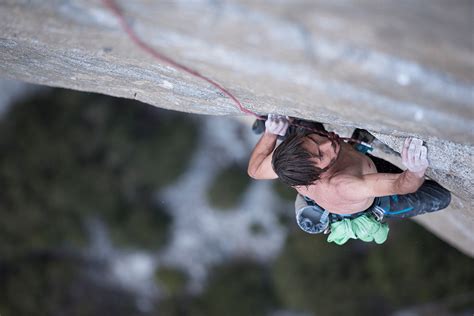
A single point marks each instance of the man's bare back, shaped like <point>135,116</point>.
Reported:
<point>341,180</point>
<point>325,192</point>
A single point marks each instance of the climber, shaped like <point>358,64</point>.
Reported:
<point>334,176</point>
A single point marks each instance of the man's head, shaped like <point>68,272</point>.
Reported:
<point>303,157</point>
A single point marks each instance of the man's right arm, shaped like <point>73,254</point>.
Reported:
<point>260,164</point>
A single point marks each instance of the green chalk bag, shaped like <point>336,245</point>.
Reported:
<point>364,227</point>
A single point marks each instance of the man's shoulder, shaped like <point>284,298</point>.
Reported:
<point>331,194</point>
<point>342,179</point>
<point>334,182</point>
<point>346,188</point>
<point>329,187</point>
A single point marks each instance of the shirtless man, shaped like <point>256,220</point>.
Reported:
<point>342,180</point>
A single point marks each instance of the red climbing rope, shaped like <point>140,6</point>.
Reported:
<point>114,8</point>
<point>112,5</point>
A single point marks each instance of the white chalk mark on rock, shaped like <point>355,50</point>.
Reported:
<point>166,85</point>
<point>419,115</point>
<point>403,79</point>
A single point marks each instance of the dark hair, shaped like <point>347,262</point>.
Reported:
<point>292,163</point>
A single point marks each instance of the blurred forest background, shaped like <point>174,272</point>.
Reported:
<point>79,171</point>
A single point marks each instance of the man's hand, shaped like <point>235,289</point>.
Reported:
<point>414,156</point>
<point>357,188</point>
<point>277,124</point>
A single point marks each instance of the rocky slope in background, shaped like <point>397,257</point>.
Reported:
<point>396,68</point>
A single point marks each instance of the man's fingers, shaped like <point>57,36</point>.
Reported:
<point>279,127</point>
<point>424,153</point>
<point>418,143</point>
<point>405,150</point>
<point>416,155</point>
<point>419,151</point>
<point>283,128</point>
<point>276,124</point>
<point>424,156</point>
<point>411,153</point>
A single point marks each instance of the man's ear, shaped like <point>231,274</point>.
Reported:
<point>300,188</point>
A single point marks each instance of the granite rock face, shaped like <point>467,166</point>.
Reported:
<point>396,68</point>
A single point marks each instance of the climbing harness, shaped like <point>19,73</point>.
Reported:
<point>366,225</point>
<point>115,9</point>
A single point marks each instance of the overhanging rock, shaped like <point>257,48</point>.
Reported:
<point>396,68</point>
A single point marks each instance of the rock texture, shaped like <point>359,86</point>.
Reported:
<point>396,68</point>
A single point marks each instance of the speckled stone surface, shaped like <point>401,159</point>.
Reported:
<point>398,68</point>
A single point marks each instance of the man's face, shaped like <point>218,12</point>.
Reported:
<point>323,149</point>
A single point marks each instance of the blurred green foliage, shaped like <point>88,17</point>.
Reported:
<point>418,267</point>
<point>34,287</point>
<point>412,267</point>
<point>171,279</point>
<point>139,225</point>
<point>67,155</point>
<point>285,207</point>
<point>283,191</point>
<point>228,187</point>
<point>240,288</point>
<point>257,228</point>
<point>50,284</point>
<point>313,277</point>
<point>326,279</point>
